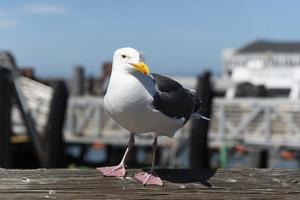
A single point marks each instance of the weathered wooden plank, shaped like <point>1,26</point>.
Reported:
<point>178,184</point>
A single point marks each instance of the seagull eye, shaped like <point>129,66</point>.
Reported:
<point>123,56</point>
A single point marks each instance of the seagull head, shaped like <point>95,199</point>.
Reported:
<point>129,60</point>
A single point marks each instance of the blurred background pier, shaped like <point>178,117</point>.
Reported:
<point>255,117</point>
<point>241,58</point>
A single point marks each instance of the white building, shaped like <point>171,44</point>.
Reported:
<point>275,65</point>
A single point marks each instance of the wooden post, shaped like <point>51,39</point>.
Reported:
<point>199,154</point>
<point>9,62</point>
<point>78,81</point>
<point>54,129</point>
<point>263,158</point>
<point>5,118</point>
<point>91,85</point>
<point>264,153</point>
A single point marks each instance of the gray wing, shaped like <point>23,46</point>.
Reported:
<point>172,99</point>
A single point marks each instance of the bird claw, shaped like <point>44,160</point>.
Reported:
<point>115,171</point>
<point>148,178</point>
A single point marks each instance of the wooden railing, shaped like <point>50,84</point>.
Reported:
<point>178,184</point>
<point>256,121</point>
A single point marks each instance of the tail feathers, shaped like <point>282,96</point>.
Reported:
<point>199,116</point>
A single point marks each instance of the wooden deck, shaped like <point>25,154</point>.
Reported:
<point>178,184</point>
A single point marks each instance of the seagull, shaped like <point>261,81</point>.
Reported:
<point>142,102</point>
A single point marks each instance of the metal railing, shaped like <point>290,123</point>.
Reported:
<point>256,121</point>
<point>87,122</point>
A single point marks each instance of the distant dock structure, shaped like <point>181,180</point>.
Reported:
<point>274,65</point>
<point>261,105</point>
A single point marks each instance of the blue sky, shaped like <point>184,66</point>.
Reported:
<point>176,36</point>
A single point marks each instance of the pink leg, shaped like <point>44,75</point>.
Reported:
<point>151,177</point>
<point>118,170</point>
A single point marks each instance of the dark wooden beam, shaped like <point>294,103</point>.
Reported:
<point>54,141</point>
<point>6,91</point>
<point>199,152</point>
<point>78,81</point>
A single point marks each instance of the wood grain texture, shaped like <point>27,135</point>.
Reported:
<point>178,184</point>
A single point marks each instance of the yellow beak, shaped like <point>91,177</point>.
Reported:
<point>141,67</point>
